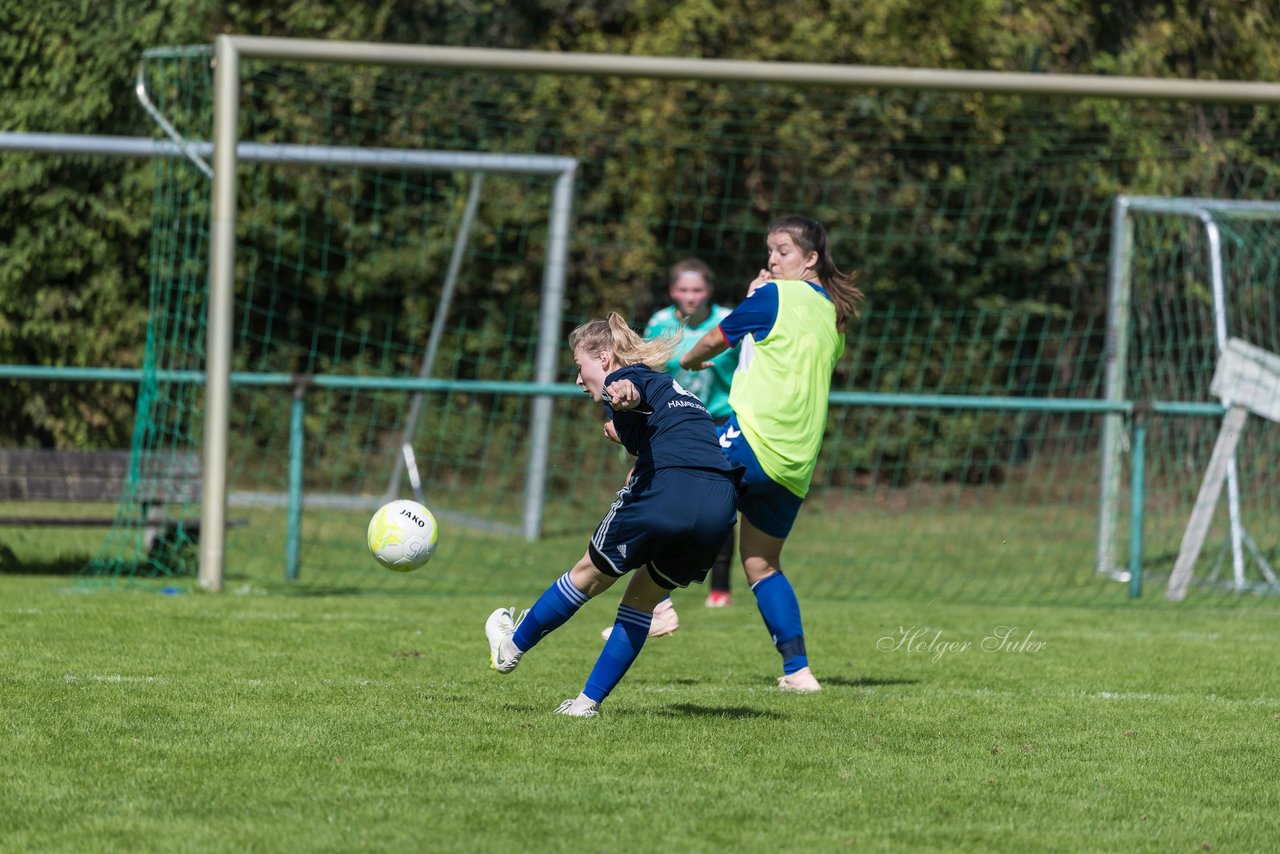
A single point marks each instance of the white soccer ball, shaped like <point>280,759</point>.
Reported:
<point>402,535</point>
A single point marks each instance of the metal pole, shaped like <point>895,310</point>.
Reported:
<point>549,321</point>
<point>297,437</point>
<point>1220,335</point>
<point>222,249</point>
<point>437,328</point>
<point>675,68</point>
<point>417,159</point>
<point>1117,356</point>
<point>1137,503</point>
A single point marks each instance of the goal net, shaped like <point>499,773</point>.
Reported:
<point>968,414</point>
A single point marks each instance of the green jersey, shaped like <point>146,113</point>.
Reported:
<point>790,345</point>
<point>712,385</point>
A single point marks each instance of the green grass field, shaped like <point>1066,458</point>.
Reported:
<point>132,719</point>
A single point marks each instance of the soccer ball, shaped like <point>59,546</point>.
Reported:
<point>402,535</point>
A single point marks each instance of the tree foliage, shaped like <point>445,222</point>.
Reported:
<point>74,249</point>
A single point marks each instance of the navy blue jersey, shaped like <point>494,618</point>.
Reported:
<point>670,428</point>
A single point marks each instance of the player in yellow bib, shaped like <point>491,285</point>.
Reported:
<point>791,331</point>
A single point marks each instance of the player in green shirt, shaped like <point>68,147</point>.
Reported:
<point>692,314</point>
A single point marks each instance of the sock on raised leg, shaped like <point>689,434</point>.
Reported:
<point>553,609</point>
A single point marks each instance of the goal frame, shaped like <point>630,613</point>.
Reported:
<point>1119,314</point>
<point>230,49</point>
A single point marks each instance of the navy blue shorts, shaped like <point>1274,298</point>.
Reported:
<point>674,522</point>
<point>766,504</point>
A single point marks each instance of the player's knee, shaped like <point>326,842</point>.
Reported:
<point>588,579</point>
<point>644,592</point>
<point>758,568</point>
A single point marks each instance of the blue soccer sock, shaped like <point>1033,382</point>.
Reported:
<point>553,609</point>
<point>630,629</point>
<point>781,611</point>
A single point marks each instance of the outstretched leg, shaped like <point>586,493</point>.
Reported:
<point>510,638</point>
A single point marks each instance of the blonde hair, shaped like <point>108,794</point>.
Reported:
<point>628,348</point>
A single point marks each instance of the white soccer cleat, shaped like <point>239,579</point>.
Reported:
<point>801,682</point>
<point>501,625</point>
<point>665,621</point>
<point>580,706</point>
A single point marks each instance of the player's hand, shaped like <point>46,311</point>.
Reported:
<point>611,432</point>
<point>761,277</point>
<point>697,366</point>
<point>623,395</point>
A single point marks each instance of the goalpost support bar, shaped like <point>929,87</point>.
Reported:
<point>1224,450</point>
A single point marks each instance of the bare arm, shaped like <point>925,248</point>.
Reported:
<point>700,354</point>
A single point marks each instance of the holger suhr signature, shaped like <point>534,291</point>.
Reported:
<point>924,640</point>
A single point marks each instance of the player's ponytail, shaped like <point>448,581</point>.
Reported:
<point>613,333</point>
<point>810,236</point>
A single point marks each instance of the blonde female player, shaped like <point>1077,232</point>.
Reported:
<point>668,523</point>
<point>791,327</point>
<point>693,313</point>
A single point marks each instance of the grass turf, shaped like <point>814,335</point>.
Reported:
<point>135,720</point>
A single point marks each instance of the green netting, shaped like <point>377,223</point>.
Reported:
<point>980,224</point>
<point>1176,325</point>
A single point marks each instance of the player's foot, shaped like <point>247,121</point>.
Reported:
<point>665,621</point>
<point>501,625</point>
<point>719,599</point>
<point>802,682</point>
<point>580,706</point>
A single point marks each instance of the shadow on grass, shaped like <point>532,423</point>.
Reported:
<point>826,680</point>
<point>692,709</point>
<point>63,565</point>
<point>864,683</point>
<point>318,592</point>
